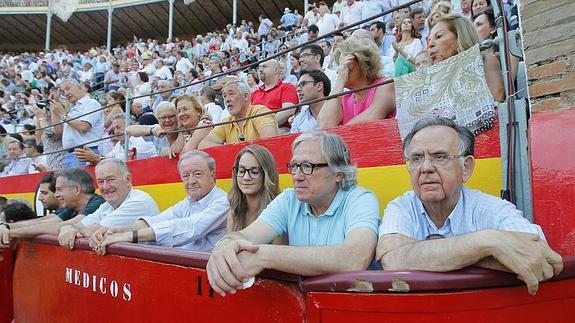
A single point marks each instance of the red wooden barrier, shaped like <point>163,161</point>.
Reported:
<point>6,265</point>
<point>552,147</point>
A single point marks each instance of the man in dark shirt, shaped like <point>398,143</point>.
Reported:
<point>74,189</point>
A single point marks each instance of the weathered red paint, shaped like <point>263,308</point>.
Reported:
<point>160,292</point>
<point>372,144</point>
<point>6,266</point>
<point>552,147</point>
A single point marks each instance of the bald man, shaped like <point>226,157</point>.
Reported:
<point>273,93</point>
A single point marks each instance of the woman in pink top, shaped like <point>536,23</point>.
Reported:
<point>359,66</point>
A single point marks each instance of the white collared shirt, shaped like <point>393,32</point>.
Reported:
<point>193,225</point>
<point>71,137</point>
<point>135,205</point>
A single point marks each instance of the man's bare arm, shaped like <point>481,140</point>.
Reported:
<point>522,253</point>
<point>355,253</point>
<point>49,227</point>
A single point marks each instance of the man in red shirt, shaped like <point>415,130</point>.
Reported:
<point>275,94</point>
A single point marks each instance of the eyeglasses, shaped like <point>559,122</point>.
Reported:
<point>253,172</point>
<point>61,188</point>
<point>303,83</point>
<point>196,175</point>
<point>306,55</point>
<point>437,160</point>
<point>167,117</point>
<point>305,167</point>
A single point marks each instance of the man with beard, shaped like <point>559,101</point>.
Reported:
<point>237,97</point>
<point>273,93</point>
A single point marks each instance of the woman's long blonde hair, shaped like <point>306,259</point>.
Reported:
<point>270,187</point>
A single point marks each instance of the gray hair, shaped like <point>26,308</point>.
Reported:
<point>209,159</point>
<point>122,166</point>
<point>122,116</point>
<point>335,152</point>
<point>242,86</point>
<point>466,137</point>
<point>78,176</point>
<point>71,81</point>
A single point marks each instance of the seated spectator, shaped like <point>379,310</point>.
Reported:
<point>312,85</point>
<point>142,89</point>
<point>16,210</point>
<point>253,80</point>
<point>273,93</point>
<point>487,32</point>
<point>19,162</point>
<point>190,114</point>
<point>164,135</point>
<point>478,6</point>
<point>143,116</point>
<point>407,45</point>
<point>165,87</point>
<point>251,194</point>
<point>195,223</point>
<point>208,97</point>
<point>75,194</point>
<point>312,58</point>
<point>35,152</point>
<point>237,98</point>
<point>444,226</point>
<point>453,34</point>
<point>123,203</point>
<point>359,66</point>
<point>422,60</point>
<point>137,146</point>
<point>325,188</point>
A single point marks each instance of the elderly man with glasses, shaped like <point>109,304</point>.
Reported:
<point>331,223</point>
<point>195,223</point>
<point>444,226</point>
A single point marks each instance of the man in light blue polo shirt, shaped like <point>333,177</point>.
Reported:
<point>331,223</point>
<point>443,226</point>
<point>84,123</point>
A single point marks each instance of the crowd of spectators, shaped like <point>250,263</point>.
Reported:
<point>66,108</point>
<point>439,226</point>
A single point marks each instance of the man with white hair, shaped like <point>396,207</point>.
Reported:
<point>84,123</point>
<point>123,203</point>
<point>237,98</point>
<point>195,223</point>
<point>331,223</point>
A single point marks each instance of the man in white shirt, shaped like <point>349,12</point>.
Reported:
<point>195,223</point>
<point>162,71</point>
<point>183,63</point>
<point>208,97</point>
<point>84,131</point>
<point>351,12</point>
<point>327,21</point>
<point>240,42</point>
<point>123,203</point>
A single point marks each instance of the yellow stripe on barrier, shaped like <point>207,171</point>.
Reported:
<point>387,182</point>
